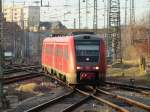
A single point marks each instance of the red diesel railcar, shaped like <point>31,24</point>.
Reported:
<point>75,59</point>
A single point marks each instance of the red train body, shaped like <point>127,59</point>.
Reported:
<point>78,59</point>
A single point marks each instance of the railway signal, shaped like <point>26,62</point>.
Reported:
<point>79,15</point>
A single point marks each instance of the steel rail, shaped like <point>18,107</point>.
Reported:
<point>127,100</point>
<point>11,71</point>
<point>14,79</point>
<point>107,102</point>
<point>16,69</point>
<point>46,104</point>
<point>26,68</point>
<point>136,90</point>
<point>126,85</point>
<point>20,65</point>
<point>75,105</point>
<point>116,107</point>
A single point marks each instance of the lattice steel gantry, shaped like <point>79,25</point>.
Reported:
<point>114,30</point>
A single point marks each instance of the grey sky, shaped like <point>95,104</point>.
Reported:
<point>57,11</point>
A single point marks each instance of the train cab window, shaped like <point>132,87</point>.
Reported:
<point>87,51</point>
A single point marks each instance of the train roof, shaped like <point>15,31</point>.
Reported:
<point>85,32</point>
<point>76,35</point>
<point>54,39</point>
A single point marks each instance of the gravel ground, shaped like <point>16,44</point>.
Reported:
<point>64,103</point>
<point>122,103</point>
<point>94,106</point>
<point>33,101</point>
<point>15,74</point>
<point>45,91</point>
<point>138,81</point>
<point>135,96</point>
<point>21,99</point>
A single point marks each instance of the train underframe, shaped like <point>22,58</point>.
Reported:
<point>95,78</point>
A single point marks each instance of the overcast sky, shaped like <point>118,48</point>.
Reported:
<point>66,10</point>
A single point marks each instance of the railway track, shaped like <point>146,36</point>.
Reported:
<point>47,106</point>
<point>138,89</point>
<point>14,69</point>
<point>17,74</point>
<point>127,86</point>
<point>123,99</point>
<point>100,95</point>
<point>13,79</point>
<point>60,103</point>
<point>64,103</point>
<point>97,94</point>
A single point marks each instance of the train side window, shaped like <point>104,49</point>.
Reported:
<point>66,53</point>
<point>56,51</point>
<point>48,50</point>
<point>60,52</point>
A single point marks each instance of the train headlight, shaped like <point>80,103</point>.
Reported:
<point>78,68</point>
<point>97,68</point>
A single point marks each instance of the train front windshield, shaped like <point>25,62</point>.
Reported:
<point>87,52</point>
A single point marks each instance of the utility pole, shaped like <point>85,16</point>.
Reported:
<point>95,16</point>
<point>132,12</point>
<point>104,27</point>
<point>132,21</point>
<point>23,37</point>
<point>125,21</point>
<point>13,32</point>
<point>39,44</point>
<point>3,102</point>
<point>27,41</point>
<point>87,14</point>
<point>104,13</point>
<point>108,39</point>
<point>74,23</point>
<point>79,15</point>
<point>41,3</point>
<point>1,54</point>
<point>149,29</point>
